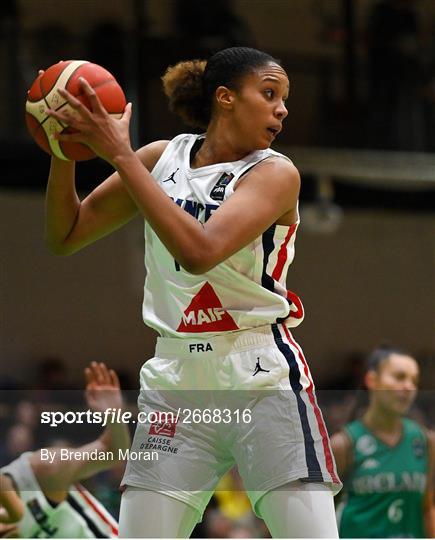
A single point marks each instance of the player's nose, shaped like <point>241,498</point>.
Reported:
<point>281,111</point>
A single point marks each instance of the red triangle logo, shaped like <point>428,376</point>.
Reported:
<point>205,314</point>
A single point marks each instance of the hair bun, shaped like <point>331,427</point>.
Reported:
<point>183,85</point>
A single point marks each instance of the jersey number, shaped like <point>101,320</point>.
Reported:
<point>395,511</point>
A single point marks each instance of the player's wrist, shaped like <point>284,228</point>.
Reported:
<point>124,160</point>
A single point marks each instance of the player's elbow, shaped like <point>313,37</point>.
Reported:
<point>198,262</point>
<point>194,267</point>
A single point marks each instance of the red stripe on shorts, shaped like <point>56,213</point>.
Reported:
<point>320,422</point>
<point>95,508</point>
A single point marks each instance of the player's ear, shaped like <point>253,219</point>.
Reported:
<point>370,379</point>
<point>224,97</point>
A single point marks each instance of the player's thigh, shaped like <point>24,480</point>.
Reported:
<point>149,514</point>
<point>299,510</point>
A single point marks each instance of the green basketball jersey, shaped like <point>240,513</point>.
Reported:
<point>383,494</point>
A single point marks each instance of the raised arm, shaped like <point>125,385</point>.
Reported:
<point>267,193</point>
<point>102,392</point>
<point>72,224</point>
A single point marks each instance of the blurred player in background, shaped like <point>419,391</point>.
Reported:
<point>221,213</point>
<point>44,498</point>
<point>385,459</point>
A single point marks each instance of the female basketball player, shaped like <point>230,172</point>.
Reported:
<point>385,459</point>
<point>221,215</point>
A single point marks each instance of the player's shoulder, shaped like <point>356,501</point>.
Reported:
<point>152,152</point>
<point>342,448</point>
<point>414,428</point>
<point>348,436</point>
<point>342,440</point>
<point>278,169</point>
<point>278,161</point>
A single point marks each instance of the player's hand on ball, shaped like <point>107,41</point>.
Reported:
<point>102,387</point>
<point>107,136</point>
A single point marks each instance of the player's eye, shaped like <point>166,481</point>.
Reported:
<point>269,93</point>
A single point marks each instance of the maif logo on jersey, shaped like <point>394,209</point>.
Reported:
<point>206,314</point>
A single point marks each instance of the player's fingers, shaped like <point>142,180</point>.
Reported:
<point>103,375</point>
<point>75,103</point>
<point>128,110</point>
<point>68,137</point>
<point>127,113</point>
<point>106,373</point>
<point>95,367</point>
<point>88,376</point>
<point>100,373</point>
<point>96,105</point>
<point>114,378</point>
<point>63,115</point>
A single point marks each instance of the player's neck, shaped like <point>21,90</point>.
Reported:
<point>382,421</point>
<point>220,146</point>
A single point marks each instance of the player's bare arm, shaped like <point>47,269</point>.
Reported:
<point>342,449</point>
<point>11,506</point>
<point>72,224</point>
<point>102,393</point>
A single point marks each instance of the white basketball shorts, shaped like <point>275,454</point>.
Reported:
<point>244,398</point>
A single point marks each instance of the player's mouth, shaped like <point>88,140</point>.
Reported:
<point>274,131</point>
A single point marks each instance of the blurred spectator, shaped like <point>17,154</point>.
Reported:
<point>19,438</point>
<point>27,414</point>
<point>52,382</point>
<point>233,516</point>
<point>231,497</point>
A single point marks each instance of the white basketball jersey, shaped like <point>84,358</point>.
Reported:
<point>80,515</point>
<point>246,290</point>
